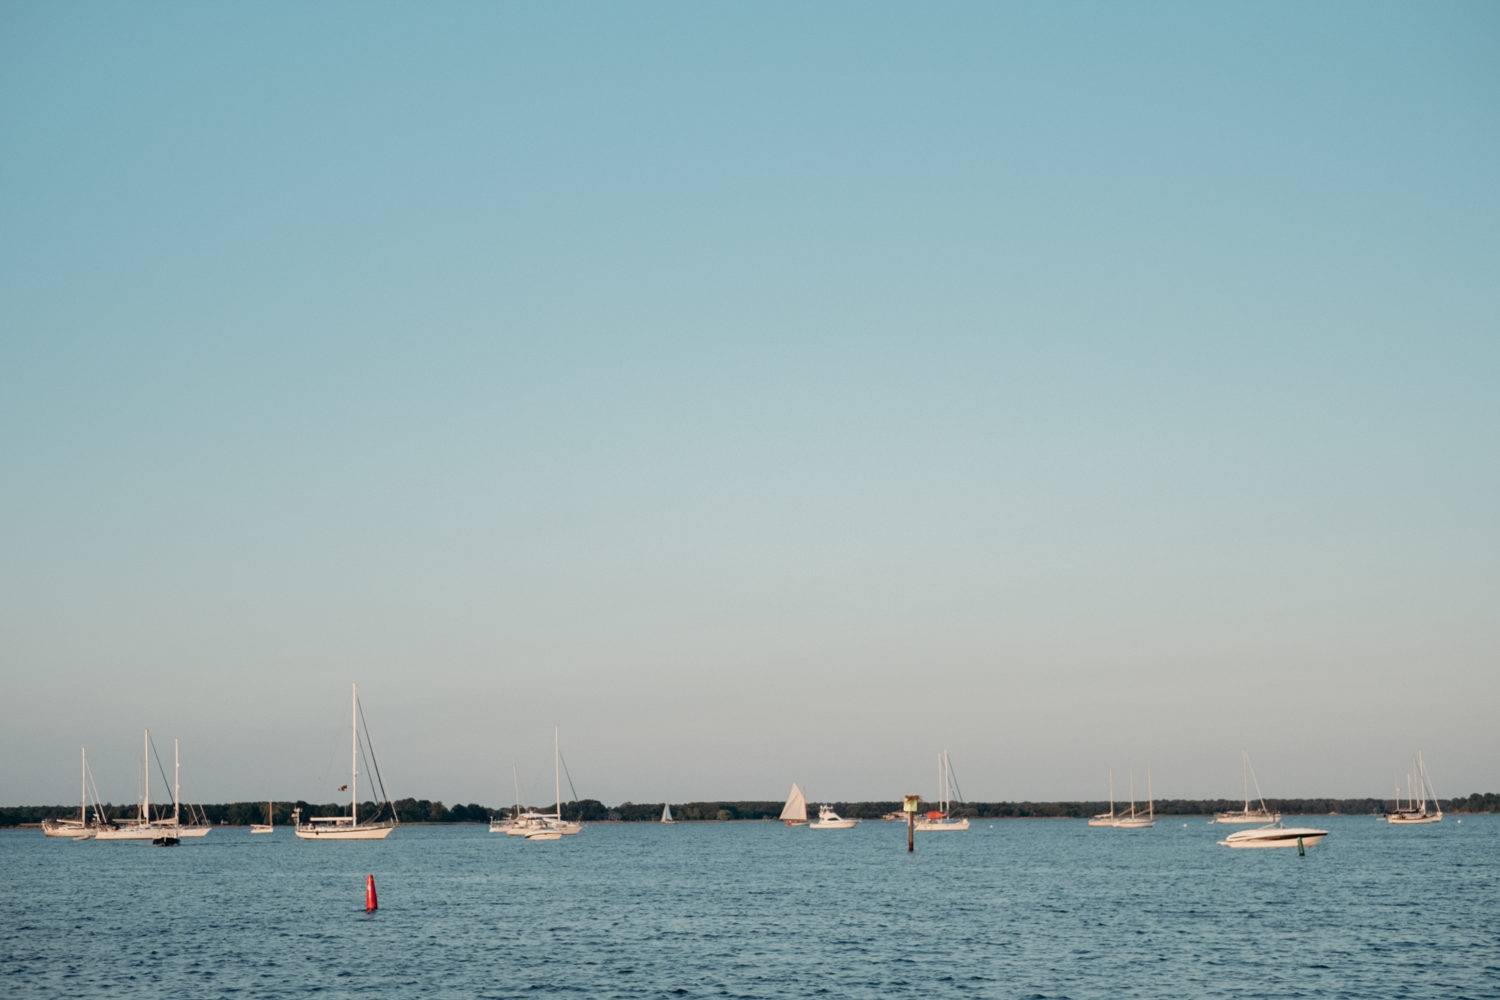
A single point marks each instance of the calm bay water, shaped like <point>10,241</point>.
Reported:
<point>1017,909</point>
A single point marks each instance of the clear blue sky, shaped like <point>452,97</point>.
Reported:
<point>761,392</point>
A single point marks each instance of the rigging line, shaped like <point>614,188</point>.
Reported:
<point>564,763</point>
<point>374,764</point>
<point>160,770</point>
<point>953,780</point>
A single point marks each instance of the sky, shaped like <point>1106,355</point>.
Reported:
<point>758,393</point>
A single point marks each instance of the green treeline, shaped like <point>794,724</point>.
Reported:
<point>594,811</point>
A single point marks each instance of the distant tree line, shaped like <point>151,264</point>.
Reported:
<point>594,811</point>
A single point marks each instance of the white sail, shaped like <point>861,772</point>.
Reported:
<point>795,810</point>
<point>666,813</point>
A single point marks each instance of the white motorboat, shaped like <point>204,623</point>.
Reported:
<point>1275,835</point>
<point>830,820</point>
<point>350,827</point>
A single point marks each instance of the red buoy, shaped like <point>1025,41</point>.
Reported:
<point>370,903</point>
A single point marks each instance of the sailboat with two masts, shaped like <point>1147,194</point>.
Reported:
<point>938,820</point>
<point>350,827</point>
<point>1416,810</point>
<point>157,829</point>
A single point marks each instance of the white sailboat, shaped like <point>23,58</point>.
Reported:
<point>794,813</point>
<point>666,813</point>
<point>1133,821</point>
<point>938,820</point>
<point>1416,810</point>
<point>80,828</point>
<point>830,820</point>
<point>1248,815</point>
<point>1106,819</point>
<point>555,823</point>
<point>520,822</point>
<point>145,826</point>
<point>268,826</point>
<point>348,827</point>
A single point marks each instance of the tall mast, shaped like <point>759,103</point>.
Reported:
<point>557,771</point>
<point>354,754</point>
<point>176,780</point>
<point>1245,775</point>
<point>146,766</point>
<point>83,787</point>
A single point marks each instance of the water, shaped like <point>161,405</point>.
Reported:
<point>1024,909</point>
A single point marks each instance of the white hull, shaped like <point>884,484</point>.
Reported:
<point>1245,818</point>
<point>344,832</point>
<point>1274,836</point>
<point>544,835</point>
<point>1409,819</point>
<point>1138,823</point>
<point>1103,819</point>
<point>66,828</point>
<point>941,825</point>
<point>139,831</point>
<point>261,828</point>
<point>833,824</point>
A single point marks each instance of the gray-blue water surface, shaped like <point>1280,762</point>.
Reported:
<point>1024,909</point>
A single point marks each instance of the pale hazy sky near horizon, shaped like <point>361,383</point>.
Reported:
<point>761,393</point>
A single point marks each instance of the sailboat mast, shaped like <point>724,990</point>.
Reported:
<point>557,771</point>
<point>354,753</point>
<point>176,781</point>
<point>146,767</point>
<point>83,786</point>
<point>1245,775</point>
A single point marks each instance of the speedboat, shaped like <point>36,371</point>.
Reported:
<point>1275,835</point>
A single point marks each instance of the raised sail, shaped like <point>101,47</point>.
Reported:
<point>794,813</point>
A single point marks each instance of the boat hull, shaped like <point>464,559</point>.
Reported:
<point>1274,837</point>
<point>344,833</point>
<point>941,825</point>
<point>1245,818</point>
<point>1133,824</point>
<point>833,824</point>
<point>1409,819</point>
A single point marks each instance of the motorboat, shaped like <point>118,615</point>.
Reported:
<point>1275,835</point>
<point>830,820</point>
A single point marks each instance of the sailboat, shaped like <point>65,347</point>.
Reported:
<point>144,827</point>
<point>794,813</point>
<point>1417,812</point>
<point>1248,815</point>
<point>1106,819</point>
<point>349,827</point>
<point>555,823</point>
<point>1133,821</point>
<point>80,828</point>
<point>666,813</point>
<point>267,826</point>
<point>938,820</point>
<point>519,823</point>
